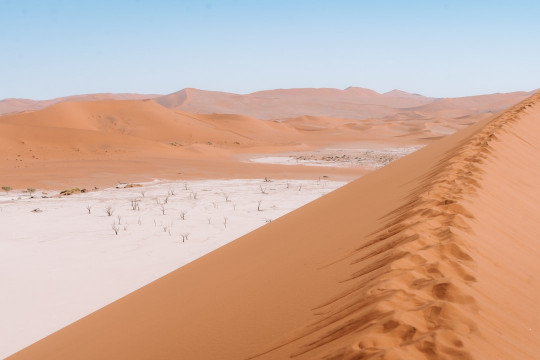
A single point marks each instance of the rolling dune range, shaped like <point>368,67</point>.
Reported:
<point>432,256</point>
<point>91,140</point>
<point>13,105</point>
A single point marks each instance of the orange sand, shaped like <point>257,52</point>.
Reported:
<point>9,106</point>
<point>351,103</point>
<point>432,256</point>
<point>82,143</point>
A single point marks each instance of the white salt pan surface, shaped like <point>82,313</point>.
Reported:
<point>60,263</point>
<point>370,158</point>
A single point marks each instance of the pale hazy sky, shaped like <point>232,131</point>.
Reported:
<point>436,48</point>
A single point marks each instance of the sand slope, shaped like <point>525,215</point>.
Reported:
<point>8,106</point>
<point>111,140</point>
<point>433,256</point>
<point>352,103</point>
<point>90,140</point>
<point>133,137</point>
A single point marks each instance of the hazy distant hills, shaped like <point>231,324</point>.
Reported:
<point>352,103</point>
<point>8,106</point>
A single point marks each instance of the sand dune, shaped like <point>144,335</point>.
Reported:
<point>432,256</point>
<point>88,140</point>
<point>471,105</point>
<point>112,140</point>
<point>351,103</point>
<point>97,143</point>
<point>8,106</point>
<point>140,119</point>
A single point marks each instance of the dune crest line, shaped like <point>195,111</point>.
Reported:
<point>410,289</point>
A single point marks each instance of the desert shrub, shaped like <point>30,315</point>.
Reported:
<point>70,191</point>
<point>109,211</point>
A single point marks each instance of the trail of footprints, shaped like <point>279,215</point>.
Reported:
<point>411,298</point>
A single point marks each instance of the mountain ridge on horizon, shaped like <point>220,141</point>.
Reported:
<point>351,103</point>
<point>128,95</point>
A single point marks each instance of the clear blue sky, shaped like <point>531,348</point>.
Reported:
<point>438,48</point>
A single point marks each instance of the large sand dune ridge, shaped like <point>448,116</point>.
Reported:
<point>99,139</point>
<point>13,105</point>
<point>432,256</point>
<point>352,103</point>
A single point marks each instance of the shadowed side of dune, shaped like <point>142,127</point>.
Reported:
<point>432,256</point>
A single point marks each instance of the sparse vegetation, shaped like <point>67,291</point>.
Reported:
<point>31,191</point>
<point>7,189</point>
<point>211,206</point>
<point>71,191</point>
<point>109,211</point>
<point>135,204</point>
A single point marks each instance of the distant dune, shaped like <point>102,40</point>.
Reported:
<point>432,256</point>
<point>97,140</point>
<point>95,143</point>
<point>100,142</point>
<point>351,103</point>
<point>8,106</point>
